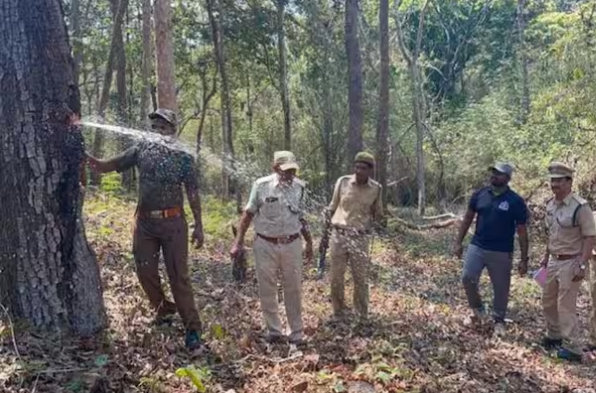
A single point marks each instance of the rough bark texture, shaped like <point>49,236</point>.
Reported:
<point>283,73</point>
<point>164,55</point>
<point>355,79</point>
<point>383,127</point>
<point>147,66</point>
<point>48,274</point>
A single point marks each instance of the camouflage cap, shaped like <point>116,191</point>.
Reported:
<point>502,167</point>
<point>166,114</point>
<point>365,157</point>
<point>557,170</point>
<point>285,159</point>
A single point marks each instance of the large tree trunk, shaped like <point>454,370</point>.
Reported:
<point>355,79</point>
<point>107,83</point>
<point>164,45</point>
<point>283,73</point>
<point>48,274</point>
<point>383,127</point>
<point>147,66</point>
<point>230,186</point>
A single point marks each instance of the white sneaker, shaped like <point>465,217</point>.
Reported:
<point>500,329</point>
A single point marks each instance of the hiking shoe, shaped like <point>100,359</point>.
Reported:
<point>193,340</point>
<point>565,354</point>
<point>500,329</point>
<point>551,343</point>
<point>275,338</point>
<point>300,342</point>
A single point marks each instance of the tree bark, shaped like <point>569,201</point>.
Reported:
<point>525,97</point>
<point>355,143</point>
<point>107,84</point>
<point>164,55</point>
<point>229,186</point>
<point>383,126</point>
<point>283,73</point>
<point>147,65</point>
<point>48,274</point>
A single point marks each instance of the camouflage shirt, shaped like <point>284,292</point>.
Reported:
<point>162,171</point>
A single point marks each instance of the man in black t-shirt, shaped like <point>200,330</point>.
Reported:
<point>499,212</point>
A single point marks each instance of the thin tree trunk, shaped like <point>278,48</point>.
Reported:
<point>48,274</point>
<point>164,45</point>
<point>283,73</point>
<point>355,143</point>
<point>76,36</point>
<point>147,64</point>
<point>525,98</point>
<point>107,84</point>
<point>383,127</point>
<point>229,185</point>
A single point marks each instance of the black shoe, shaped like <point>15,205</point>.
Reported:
<point>551,343</point>
<point>565,354</point>
<point>164,320</point>
<point>275,339</point>
<point>193,340</point>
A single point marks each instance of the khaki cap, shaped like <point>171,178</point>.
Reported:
<point>166,114</point>
<point>285,159</point>
<point>557,170</point>
<point>365,157</point>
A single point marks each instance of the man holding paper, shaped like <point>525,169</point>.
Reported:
<point>571,234</point>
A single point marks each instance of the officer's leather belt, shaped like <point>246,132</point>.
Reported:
<point>564,257</point>
<point>351,231</point>
<point>280,240</point>
<point>166,213</point>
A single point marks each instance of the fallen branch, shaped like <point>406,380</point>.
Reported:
<point>422,227</point>
<point>396,182</point>
<point>14,341</point>
<point>439,217</point>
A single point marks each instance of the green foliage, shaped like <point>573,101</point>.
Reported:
<point>198,377</point>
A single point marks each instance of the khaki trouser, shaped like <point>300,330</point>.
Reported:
<point>559,301</point>
<point>269,259</point>
<point>171,236</point>
<point>350,250</point>
<point>593,294</point>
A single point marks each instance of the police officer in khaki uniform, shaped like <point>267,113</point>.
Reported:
<point>355,207</point>
<point>276,206</point>
<point>571,234</point>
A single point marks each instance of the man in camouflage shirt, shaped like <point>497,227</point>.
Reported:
<point>160,220</point>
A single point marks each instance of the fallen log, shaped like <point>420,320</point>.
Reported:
<point>439,217</point>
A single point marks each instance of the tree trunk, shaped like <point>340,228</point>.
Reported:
<point>230,187</point>
<point>355,79</point>
<point>147,65</point>
<point>383,127</point>
<point>525,98</point>
<point>164,45</point>
<point>283,73</point>
<point>48,274</point>
<point>107,84</point>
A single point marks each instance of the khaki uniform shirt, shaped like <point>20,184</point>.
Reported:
<point>565,236</point>
<point>277,208</point>
<point>355,206</point>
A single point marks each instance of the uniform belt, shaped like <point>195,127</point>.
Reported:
<point>351,231</point>
<point>166,213</point>
<point>565,257</point>
<point>280,240</point>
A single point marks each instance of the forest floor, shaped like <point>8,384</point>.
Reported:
<point>417,340</point>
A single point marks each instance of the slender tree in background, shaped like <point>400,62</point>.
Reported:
<point>98,139</point>
<point>523,60</point>
<point>283,73</point>
<point>147,62</point>
<point>164,55</point>
<point>48,274</point>
<point>383,126</point>
<point>355,143</point>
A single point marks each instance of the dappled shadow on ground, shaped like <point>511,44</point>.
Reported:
<point>415,341</point>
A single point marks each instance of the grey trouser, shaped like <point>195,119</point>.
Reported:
<point>499,265</point>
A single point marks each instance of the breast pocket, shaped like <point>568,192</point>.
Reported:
<point>271,207</point>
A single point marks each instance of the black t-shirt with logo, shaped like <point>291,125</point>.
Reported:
<point>497,218</point>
